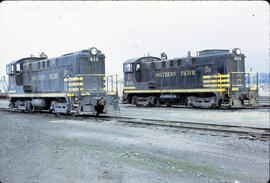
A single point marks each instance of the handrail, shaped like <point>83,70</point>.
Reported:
<point>220,82</point>
<point>109,81</point>
<point>78,75</point>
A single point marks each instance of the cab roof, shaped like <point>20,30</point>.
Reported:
<point>133,60</point>
<point>24,60</point>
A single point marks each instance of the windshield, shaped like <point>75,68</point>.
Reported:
<point>127,67</point>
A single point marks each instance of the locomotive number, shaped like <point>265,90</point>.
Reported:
<point>129,83</point>
<point>93,59</point>
<point>237,58</point>
<point>188,73</point>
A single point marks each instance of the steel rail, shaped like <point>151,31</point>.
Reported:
<point>191,123</point>
<point>221,128</point>
<point>251,133</point>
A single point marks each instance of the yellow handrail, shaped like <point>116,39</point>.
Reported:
<point>220,82</point>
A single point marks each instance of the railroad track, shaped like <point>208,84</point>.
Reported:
<point>264,100</point>
<point>244,132</point>
<point>247,132</point>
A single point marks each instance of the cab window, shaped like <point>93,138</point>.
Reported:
<point>18,67</point>
<point>127,67</point>
<point>138,67</point>
<point>10,69</point>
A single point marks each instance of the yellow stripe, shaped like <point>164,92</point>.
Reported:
<point>235,89</point>
<point>82,75</point>
<point>39,95</point>
<point>217,85</point>
<point>217,76</point>
<point>70,94</point>
<point>237,85</point>
<point>177,90</point>
<point>74,79</point>
<point>86,93</point>
<point>75,89</point>
<point>216,81</point>
<point>130,87</point>
<point>11,91</point>
<point>75,84</point>
<point>111,93</point>
<point>255,88</point>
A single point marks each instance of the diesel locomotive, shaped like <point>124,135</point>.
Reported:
<point>213,78</point>
<point>73,83</point>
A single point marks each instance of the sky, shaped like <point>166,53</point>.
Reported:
<point>128,29</point>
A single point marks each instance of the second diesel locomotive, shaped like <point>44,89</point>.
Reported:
<point>72,83</point>
<point>212,79</point>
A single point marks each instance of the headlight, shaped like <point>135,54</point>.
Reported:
<point>93,51</point>
<point>237,51</point>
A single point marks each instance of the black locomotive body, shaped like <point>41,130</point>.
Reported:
<point>213,78</point>
<point>72,83</point>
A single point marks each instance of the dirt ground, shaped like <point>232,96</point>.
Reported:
<point>245,117</point>
<point>49,148</point>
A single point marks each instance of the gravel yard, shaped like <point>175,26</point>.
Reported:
<point>49,148</point>
<point>245,117</point>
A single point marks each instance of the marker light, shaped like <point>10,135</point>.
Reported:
<point>237,51</point>
<point>93,51</point>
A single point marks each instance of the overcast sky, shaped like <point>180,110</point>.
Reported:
<point>123,30</point>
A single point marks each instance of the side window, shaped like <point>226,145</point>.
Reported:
<point>163,64</point>
<point>194,61</point>
<point>30,67</point>
<point>43,64</point>
<point>38,65</point>
<point>171,63</point>
<point>179,63</point>
<point>18,67</point>
<point>48,64</point>
<point>152,64</point>
<point>25,67</point>
<point>138,67</point>
<point>56,62</point>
